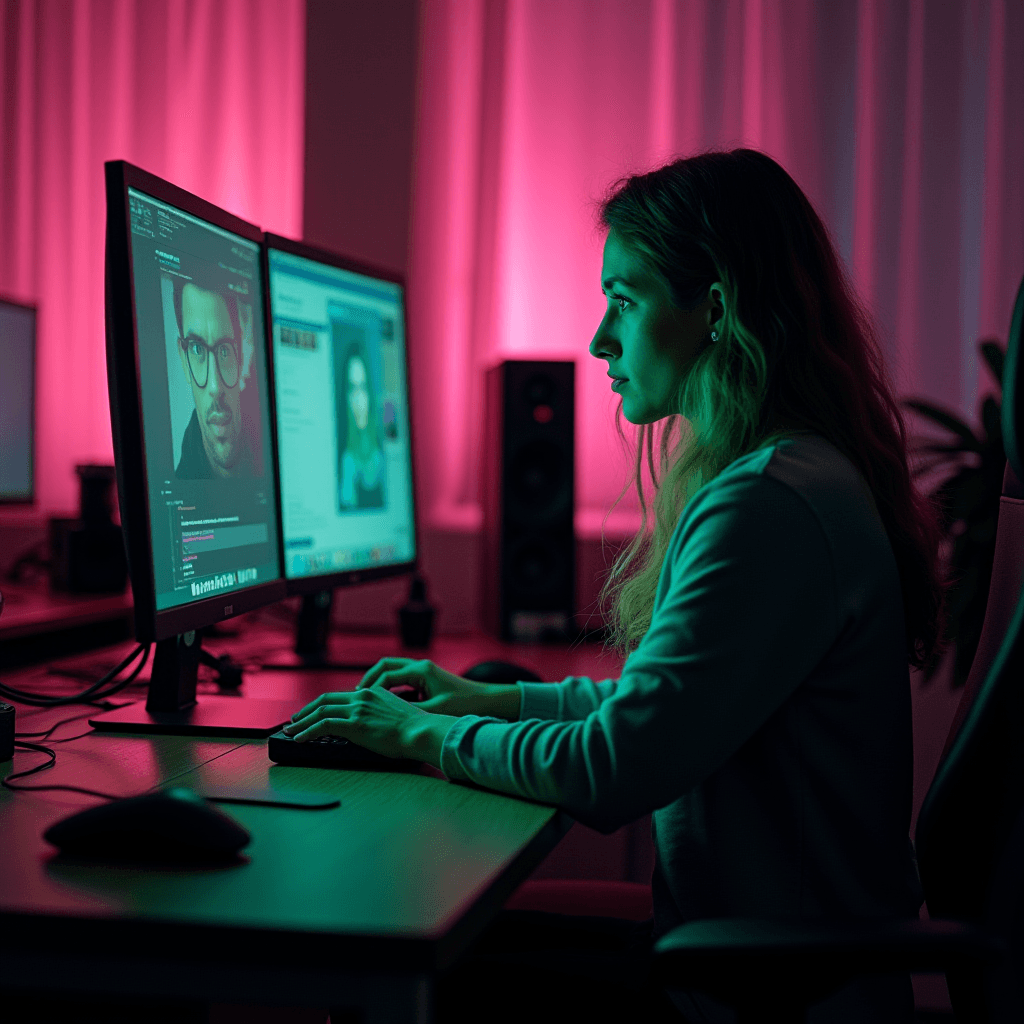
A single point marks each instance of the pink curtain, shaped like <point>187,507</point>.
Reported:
<point>206,93</point>
<point>901,119</point>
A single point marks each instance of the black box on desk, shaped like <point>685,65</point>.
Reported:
<point>87,559</point>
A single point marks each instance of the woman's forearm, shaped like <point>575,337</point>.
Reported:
<point>498,700</point>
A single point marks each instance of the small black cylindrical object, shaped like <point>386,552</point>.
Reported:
<point>96,501</point>
<point>6,732</point>
<point>416,616</point>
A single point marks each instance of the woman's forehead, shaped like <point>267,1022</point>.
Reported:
<point>622,264</point>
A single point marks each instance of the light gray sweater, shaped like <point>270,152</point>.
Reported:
<point>764,718</point>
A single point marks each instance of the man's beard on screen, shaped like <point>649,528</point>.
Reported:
<point>220,416</point>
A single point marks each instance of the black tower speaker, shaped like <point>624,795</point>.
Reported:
<point>529,571</point>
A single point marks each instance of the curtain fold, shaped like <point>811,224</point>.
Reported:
<point>206,93</point>
<point>899,118</point>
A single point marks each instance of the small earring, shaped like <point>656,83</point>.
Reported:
<point>714,336</point>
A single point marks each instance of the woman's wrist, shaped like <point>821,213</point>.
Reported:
<point>423,737</point>
<point>501,700</point>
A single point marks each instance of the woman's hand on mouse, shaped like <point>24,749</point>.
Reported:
<point>443,692</point>
<point>376,719</point>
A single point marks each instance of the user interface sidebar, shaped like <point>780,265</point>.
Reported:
<point>342,418</point>
<point>205,404</point>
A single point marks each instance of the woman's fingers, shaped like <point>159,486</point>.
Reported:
<point>373,718</point>
<point>322,727</point>
<point>324,698</point>
<point>334,705</point>
<point>382,666</point>
<point>401,672</point>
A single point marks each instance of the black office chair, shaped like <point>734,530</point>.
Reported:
<point>969,838</point>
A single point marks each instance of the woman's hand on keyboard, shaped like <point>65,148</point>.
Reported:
<point>376,719</point>
<point>442,692</point>
<point>382,721</point>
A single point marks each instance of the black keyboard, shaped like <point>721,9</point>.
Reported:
<point>332,752</point>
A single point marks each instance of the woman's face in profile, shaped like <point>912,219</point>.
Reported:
<point>358,392</point>
<point>648,342</point>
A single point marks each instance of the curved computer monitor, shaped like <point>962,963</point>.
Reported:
<point>343,427</point>
<point>188,376</point>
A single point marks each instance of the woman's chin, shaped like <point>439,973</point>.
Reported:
<point>640,417</point>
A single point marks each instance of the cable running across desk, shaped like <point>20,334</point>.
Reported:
<point>44,734</point>
<point>92,694</point>
<point>95,695</point>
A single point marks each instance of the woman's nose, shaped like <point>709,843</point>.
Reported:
<point>603,344</point>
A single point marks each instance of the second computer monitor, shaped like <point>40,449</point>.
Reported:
<point>17,400</point>
<point>343,422</point>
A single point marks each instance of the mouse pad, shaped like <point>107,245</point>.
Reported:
<point>266,797</point>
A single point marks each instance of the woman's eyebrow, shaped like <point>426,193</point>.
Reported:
<point>610,282</point>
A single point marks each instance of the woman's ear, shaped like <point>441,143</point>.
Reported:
<point>717,309</point>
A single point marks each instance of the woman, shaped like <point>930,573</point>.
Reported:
<point>769,614</point>
<point>361,469</point>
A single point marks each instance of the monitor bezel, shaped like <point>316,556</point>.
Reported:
<point>124,386</point>
<point>29,499</point>
<point>326,581</point>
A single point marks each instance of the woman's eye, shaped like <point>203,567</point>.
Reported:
<point>622,303</point>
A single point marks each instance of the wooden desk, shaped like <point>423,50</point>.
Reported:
<point>355,906</point>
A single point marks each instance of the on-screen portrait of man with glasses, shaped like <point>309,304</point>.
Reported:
<point>212,326</point>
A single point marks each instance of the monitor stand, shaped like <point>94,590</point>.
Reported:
<point>311,635</point>
<point>172,707</point>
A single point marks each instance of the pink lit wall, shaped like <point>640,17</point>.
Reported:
<point>208,93</point>
<point>900,119</point>
<point>360,88</point>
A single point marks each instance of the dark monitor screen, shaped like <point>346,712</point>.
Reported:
<point>343,424</point>
<point>17,400</point>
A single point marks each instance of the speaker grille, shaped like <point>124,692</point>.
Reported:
<point>528,488</point>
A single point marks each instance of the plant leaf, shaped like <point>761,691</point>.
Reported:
<point>949,449</point>
<point>995,355</point>
<point>946,419</point>
<point>926,466</point>
<point>990,418</point>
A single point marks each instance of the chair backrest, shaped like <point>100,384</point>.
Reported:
<point>971,826</point>
<point>1004,590</point>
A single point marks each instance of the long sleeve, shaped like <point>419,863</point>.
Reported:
<point>745,611</point>
<point>568,701</point>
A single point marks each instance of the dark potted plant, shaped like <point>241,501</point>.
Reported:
<point>968,497</point>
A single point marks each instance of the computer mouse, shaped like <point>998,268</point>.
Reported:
<point>171,826</point>
<point>500,672</point>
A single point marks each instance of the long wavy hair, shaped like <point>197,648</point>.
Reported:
<point>796,346</point>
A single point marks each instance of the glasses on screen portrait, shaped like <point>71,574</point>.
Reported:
<point>224,354</point>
